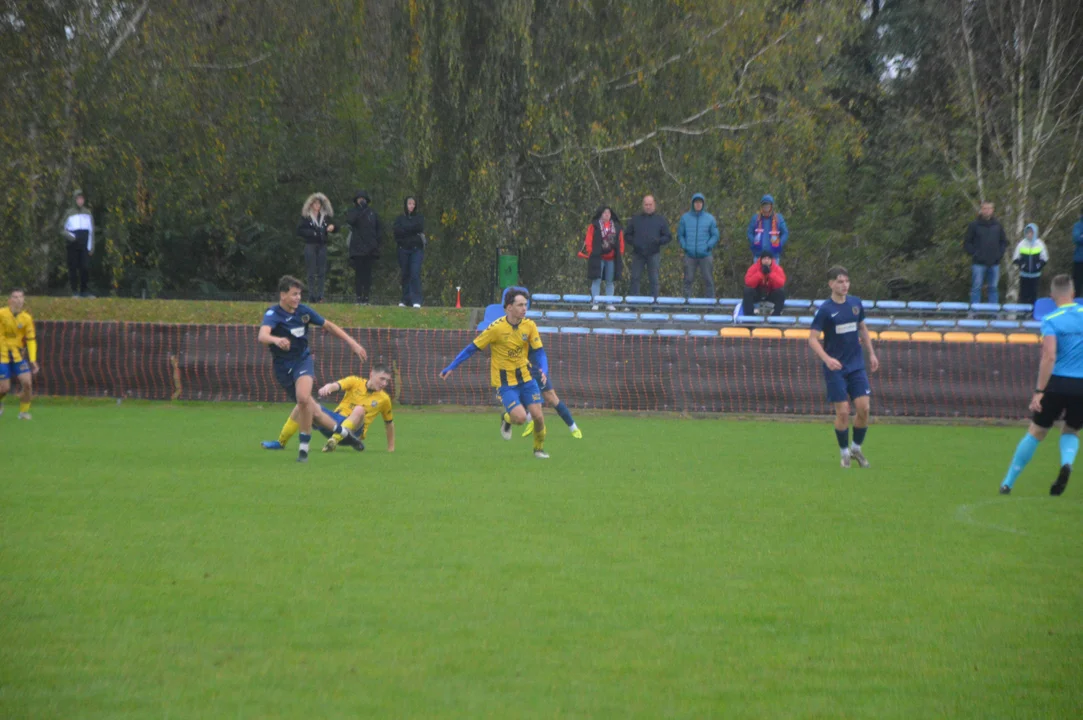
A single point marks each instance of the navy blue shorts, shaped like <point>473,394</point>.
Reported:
<point>846,383</point>
<point>334,416</point>
<point>14,369</point>
<point>287,372</point>
<point>524,394</point>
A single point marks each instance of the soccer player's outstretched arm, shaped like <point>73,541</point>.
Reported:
<point>866,340</point>
<point>329,388</point>
<point>1045,370</point>
<point>341,335</point>
<point>266,338</point>
<point>466,354</point>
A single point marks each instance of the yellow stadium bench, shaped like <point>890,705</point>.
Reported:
<point>991,337</point>
<point>796,333</point>
<point>926,336</point>
<point>771,333</point>
<point>735,332</point>
<point>956,337</point>
<point>894,335</point>
<point>1024,339</point>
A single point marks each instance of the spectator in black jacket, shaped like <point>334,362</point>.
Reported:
<point>647,233</point>
<point>314,228</point>
<point>986,244</point>
<point>409,232</point>
<point>365,233</point>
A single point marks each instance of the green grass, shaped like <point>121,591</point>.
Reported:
<point>243,313</point>
<point>154,562</point>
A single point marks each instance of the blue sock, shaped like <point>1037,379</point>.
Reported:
<point>859,435</point>
<point>1069,446</point>
<point>565,414</point>
<point>1023,453</point>
<point>843,437</point>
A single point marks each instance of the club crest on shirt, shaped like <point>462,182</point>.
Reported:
<point>524,337</point>
<point>305,318</point>
<point>856,309</point>
<point>373,403</point>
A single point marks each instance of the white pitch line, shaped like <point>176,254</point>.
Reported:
<point>965,514</point>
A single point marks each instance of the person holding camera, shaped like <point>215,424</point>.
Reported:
<point>765,280</point>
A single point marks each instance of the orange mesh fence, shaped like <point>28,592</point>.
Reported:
<point>625,373</point>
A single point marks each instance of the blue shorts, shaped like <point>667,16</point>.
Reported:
<point>287,372</point>
<point>14,369</point>
<point>842,383</point>
<point>334,416</point>
<point>524,394</point>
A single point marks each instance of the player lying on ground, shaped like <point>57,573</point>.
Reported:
<point>550,397</point>
<point>1060,387</point>
<point>363,401</point>
<point>18,342</point>
<point>284,331</point>
<point>842,320</point>
<point>509,339</point>
<point>322,420</point>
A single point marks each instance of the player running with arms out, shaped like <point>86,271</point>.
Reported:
<point>550,397</point>
<point>18,351</point>
<point>510,340</point>
<point>363,401</point>
<point>1060,387</point>
<point>842,320</point>
<point>285,331</point>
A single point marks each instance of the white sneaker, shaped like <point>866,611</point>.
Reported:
<point>417,305</point>
<point>541,454</point>
<point>24,416</point>
<point>505,428</point>
<point>593,307</point>
<point>610,308</point>
<point>402,304</point>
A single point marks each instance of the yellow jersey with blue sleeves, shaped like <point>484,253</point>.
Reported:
<point>510,346</point>
<point>16,335</point>
<point>357,394</point>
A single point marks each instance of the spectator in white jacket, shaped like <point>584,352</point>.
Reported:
<point>1031,256</point>
<point>79,232</point>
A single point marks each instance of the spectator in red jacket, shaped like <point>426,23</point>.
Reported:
<point>603,249</point>
<point>765,280</point>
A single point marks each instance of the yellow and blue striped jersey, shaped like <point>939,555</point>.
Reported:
<point>16,334</point>
<point>358,395</point>
<point>509,345</point>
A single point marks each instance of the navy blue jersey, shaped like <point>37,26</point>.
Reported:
<point>839,322</point>
<point>293,326</point>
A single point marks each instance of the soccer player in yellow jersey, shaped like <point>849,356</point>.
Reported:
<point>363,401</point>
<point>511,340</point>
<point>18,344</point>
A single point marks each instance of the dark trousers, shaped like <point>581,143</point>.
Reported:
<point>1077,277</point>
<point>410,265</point>
<point>755,295</point>
<point>78,267</point>
<point>704,266</point>
<point>652,263</point>
<point>362,277</point>
<point>316,265</point>
<point>1028,290</point>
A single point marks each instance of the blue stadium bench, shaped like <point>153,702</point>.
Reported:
<point>574,331</point>
<point>654,317</point>
<point>973,324</point>
<point>638,300</point>
<point>921,306</point>
<point>985,307</point>
<point>671,332</point>
<point>782,320</point>
<point>1018,307</point>
<point>638,331</point>
<point>544,297</point>
<point>608,299</point>
<point>608,331</point>
<point>805,320</point>
<point>559,315</point>
<point>547,329</point>
<point>535,314</point>
<point>940,324</point>
<point>798,304</point>
<point>718,319</point>
<point>701,302</point>
<point>730,302</point>
<point>748,320</point>
<point>1005,324</point>
<point>670,301</point>
<point>876,322</point>
<point>890,305</point>
<point>590,315</point>
<point>687,317</point>
<point>703,333</point>
<point>1032,324</point>
<point>817,303</point>
<point>868,304</point>
<point>580,299</point>
<point>624,316</point>
<point>911,324</point>
<point>953,307</point>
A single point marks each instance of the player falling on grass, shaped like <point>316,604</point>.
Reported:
<point>285,331</point>
<point>18,351</point>
<point>550,397</point>
<point>842,320</point>
<point>510,340</point>
<point>363,401</point>
<point>1060,387</point>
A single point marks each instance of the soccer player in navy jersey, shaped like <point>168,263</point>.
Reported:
<point>285,331</point>
<point>842,320</point>
<point>1060,387</point>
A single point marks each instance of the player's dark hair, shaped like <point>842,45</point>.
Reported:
<point>288,282</point>
<point>16,290</point>
<point>380,368</point>
<point>836,272</point>
<point>1061,285</point>
<point>509,299</point>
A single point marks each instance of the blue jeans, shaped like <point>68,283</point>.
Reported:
<point>990,274</point>
<point>410,265</point>
<point>607,274</point>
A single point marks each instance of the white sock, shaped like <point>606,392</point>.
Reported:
<point>855,446</point>
<point>303,447</point>
<point>845,452</point>
<point>573,427</point>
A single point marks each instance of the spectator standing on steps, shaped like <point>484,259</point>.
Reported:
<point>698,235</point>
<point>409,229</point>
<point>767,230</point>
<point>314,227</point>
<point>1077,256</point>
<point>765,280</point>
<point>79,233</point>
<point>1031,256</point>
<point>986,244</point>
<point>647,233</point>
<point>365,234</point>
<point>603,249</point>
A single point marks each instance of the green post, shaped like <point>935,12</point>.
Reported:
<point>507,271</point>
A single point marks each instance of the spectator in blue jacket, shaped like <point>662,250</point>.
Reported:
<point>1077,256</point>
<point>767,230</point>
<point>698,235</point>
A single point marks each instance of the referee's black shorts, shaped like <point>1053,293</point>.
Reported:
<point>1063,396</point>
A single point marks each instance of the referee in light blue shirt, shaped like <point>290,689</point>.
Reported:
<point>1060,387</point>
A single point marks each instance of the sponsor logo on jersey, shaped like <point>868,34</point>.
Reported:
<point>845,328</point>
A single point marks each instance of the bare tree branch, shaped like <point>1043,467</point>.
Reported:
<point>231,66</point>
<point>662,162</point>
<point>129,28</point>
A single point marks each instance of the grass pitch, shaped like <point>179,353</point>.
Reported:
<point>154,562</point>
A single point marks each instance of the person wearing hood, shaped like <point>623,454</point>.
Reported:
<point>986,244</point>
<point>698,235</point>
<point>365,234</point>
<point>1077,256</point>
<point>603,248</point>
<point>764,280</point>
<point>409,229</point>
<point>1031,256</point>
<point>78,231</point>
<point>647,233</point>
<point>314,227</point>
<point>767,230</point>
